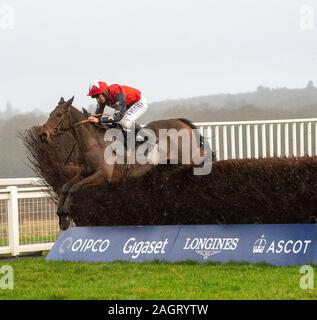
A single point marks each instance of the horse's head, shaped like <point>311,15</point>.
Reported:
<point>58,122</point>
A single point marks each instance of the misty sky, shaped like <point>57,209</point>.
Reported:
<point>167,48</point>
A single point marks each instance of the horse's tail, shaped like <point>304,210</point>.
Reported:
<point>191,125</point>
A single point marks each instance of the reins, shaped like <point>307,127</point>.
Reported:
<point>59,129</point>
<point>73,126</point>
<point>87,121</point>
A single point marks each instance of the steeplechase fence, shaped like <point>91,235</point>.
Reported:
<point>28,220</point>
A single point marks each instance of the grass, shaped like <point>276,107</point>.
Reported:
<point>32,231</point>
<point>35,278</point>
<point>30,239</point>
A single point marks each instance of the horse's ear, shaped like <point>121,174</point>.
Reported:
<point>70,101</point>
<point>85,112</point>
<point>61,101</point>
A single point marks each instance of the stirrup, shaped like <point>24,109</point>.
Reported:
<point>139,138</point>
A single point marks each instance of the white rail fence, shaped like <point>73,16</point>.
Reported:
<point>28,220</point>
<point>261,139</point>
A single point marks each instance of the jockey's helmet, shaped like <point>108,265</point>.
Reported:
<point>97,87</point>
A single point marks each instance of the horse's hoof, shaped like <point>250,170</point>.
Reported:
<point>64,222</point>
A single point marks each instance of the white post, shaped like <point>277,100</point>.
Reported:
<point>248,141</point>
<point>240,142</point>
<point>13,221</point>
<point>309,137</point>
<point>217,144</point>
<point>271,133</point>
<point>278,139</point>
<point>256,141</point>
<point>301,139</point>
<point>294,139</point>
<point>286,140</point>
<point>233,143</point>
<point>225,144</point>
<point>263,141</point>
<point>209,136</point>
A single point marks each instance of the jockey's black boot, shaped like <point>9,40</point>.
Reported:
<point>144,136</point>
<point>138,141</point>
<point>137,128</point>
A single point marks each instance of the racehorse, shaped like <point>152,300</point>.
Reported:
<point>94,170</point>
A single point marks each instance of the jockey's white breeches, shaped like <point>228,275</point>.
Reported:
<point>133,113</point>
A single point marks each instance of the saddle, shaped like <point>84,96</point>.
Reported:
<point>124,133</point>
<point>152,152</point>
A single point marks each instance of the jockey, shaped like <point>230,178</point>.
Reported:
<point>129,104</point>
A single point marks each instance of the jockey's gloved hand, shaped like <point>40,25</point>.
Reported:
<point>117,116</point>
<point>106,120</point>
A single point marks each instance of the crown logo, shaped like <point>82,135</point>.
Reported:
<point>259,245</point>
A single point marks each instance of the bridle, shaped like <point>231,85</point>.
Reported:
<point>59,129</point>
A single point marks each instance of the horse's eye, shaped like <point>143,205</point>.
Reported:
<point>58,114</point>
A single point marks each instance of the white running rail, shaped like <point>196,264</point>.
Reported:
<point>28,221</point>
<point>261,139</point>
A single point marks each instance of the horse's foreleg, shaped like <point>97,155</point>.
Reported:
<point>65,190</point>
<point>95,179</point>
